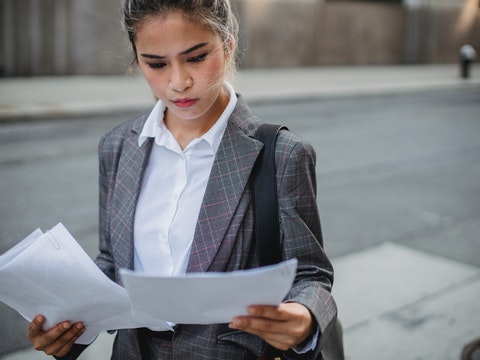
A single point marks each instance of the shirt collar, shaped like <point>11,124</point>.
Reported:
<point>154,126</point>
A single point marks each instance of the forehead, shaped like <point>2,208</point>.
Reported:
<point>173,27</point>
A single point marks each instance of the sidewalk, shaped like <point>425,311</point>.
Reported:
<point>394,302</point>
<point>50,97</point>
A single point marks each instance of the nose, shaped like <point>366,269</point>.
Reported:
<point>180,79</point>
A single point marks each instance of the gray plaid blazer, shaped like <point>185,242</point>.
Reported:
<point>223,236</point>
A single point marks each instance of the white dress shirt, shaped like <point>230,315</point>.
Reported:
<point>172,191</point>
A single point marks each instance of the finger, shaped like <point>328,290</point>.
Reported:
<point>258,326</point>
<point>267,311</point>
<point>279,337</point>
<point>64,342</point>
<point>282,327</point>
<point>80,330</point>
<point>66,348</point>
<point>45,339</point>
<point>35,326</point>
<point>275,335</point>
<point>283,312</point>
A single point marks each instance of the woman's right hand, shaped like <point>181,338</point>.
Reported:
<point>56,341</point>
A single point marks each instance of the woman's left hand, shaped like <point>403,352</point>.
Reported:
<point>283,326</point>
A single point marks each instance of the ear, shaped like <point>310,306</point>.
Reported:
<point>230,47</point>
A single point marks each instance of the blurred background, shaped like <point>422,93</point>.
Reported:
<point>375,85</point>
<point>73,37</point>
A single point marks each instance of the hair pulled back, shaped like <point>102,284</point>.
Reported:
<point>217,15</point>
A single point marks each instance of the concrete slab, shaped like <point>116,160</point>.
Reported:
<point>400,303</point>
<point>390,276</point>
<point>76,95</point>
<point>436,327</point>
<point>101,349</point>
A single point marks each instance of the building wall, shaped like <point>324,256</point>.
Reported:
<point>309,32</point>
<point>329,32</point>
<point>360,33</point>
<point>57,37</point>
<point>73,37</point>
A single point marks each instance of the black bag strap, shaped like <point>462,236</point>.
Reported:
<point>267,225</point>
<point>265,200</point>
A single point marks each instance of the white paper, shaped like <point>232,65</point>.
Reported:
<point>50,274</point>
<point>207,298</point>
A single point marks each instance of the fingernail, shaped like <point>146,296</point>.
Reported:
<point>236,323</point>
<point>66,326</point>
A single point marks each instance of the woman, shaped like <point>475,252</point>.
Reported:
<point>174,195</point>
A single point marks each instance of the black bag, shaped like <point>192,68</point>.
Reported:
<point>267,225</point>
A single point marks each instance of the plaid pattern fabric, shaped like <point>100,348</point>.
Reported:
<point>223,236</point>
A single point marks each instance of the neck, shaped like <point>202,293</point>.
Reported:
<point>186,130</point>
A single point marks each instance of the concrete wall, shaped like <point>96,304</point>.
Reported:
<point>309,32</point>
<point>45,37</point>
<point>49,37</point>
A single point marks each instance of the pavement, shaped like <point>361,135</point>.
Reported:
<point>394,302</point>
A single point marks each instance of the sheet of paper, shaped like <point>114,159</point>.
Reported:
<point>50,274</point>
<point>204,298</point>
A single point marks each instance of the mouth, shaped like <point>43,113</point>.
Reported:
<point>185,103</point>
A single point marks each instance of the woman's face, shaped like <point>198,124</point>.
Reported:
<point>184,63</point>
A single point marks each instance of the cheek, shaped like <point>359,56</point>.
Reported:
<point>154,79</point>
<point>215,71</point>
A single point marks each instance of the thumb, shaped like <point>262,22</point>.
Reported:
<point>36,326</point>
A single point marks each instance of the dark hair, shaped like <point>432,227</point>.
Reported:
<point>215,14</point>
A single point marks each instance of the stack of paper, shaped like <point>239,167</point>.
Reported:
<point>50,274</point>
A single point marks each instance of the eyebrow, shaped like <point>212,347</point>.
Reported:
<point>186,52</point>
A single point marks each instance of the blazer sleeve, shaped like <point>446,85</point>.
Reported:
<point>107,173</point>
<point>103,260</point>
<point>301,234</point>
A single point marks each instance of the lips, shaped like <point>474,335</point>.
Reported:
<point>185,103</point>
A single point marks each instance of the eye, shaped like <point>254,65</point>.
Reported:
<point>156,65</point>
<point>197,59</point>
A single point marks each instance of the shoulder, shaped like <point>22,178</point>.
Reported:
<point>294,156</point>
<point>129,129</point>
<point>290,144</point>
<point>244,119</point>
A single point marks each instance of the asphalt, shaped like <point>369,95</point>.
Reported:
<point>429,310</point>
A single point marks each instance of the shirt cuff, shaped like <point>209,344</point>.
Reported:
<point>309,344</point>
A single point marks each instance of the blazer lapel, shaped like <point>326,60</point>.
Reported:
<point>229,177</point>
<point>130,171</point>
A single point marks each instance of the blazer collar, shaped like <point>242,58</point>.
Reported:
<point>229,177</point>
<point>131,166</point>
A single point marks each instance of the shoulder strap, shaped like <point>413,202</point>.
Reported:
<point>267,226</point>
<point>265,201</point>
